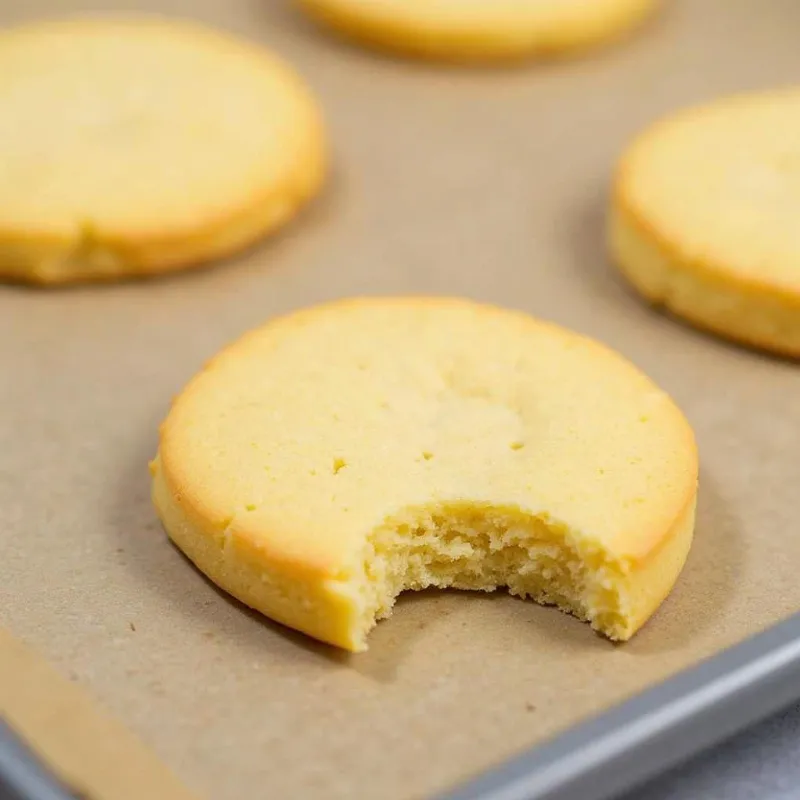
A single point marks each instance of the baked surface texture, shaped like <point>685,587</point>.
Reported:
<point>136,145</point>
<point>704,218</point>
<point>477,30</point>
<point>337,456</point>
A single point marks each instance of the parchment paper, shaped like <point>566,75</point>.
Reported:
<point>92,754</point>
<point>484,183</point>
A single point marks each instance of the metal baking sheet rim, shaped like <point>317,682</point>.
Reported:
<point>656,729</point>
<point>596,760</point>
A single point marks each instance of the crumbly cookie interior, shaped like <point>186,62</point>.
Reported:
<point>483,549</point>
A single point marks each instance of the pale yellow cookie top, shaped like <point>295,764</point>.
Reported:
<point>142,128</point>
<point>476,28</point>
<point>307,433</point>
<point>719,186</point>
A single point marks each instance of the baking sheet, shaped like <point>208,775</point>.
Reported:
<point>484,183</point>
<point>55,738</point>
<point>655,730</point>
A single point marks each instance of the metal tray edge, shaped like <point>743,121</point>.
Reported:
<point>655,730</point>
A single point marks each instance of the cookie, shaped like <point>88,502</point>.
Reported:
<point>479,30</point>
<point>340,455</point>
<point>142,145</point>
<point>704,218</point>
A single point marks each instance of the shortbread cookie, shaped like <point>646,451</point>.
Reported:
<point>479,30</point>
<point>705,218</point>
<point>328,461</point>
<point>141,145</point>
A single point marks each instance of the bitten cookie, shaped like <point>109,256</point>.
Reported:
<point>705,218</point>
<point>335,457</point>
<point>479,30</point>
<point>141,145</point>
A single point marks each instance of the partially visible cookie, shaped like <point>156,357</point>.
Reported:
<point>141,145</point>
<point>479,30</point>
<point>706,218</point>
<point>333,458</point>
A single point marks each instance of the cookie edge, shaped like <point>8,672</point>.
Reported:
<point>705,293</point>
<point>454,47</point>
<point>203,535</point>
<point>46,259</point>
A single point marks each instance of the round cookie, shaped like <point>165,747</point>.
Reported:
<point>704,218</point>
<point>142,145</point>
<point>335,457</point>
<point>479,30</point>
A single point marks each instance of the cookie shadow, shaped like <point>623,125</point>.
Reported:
<point>419,617</point>
<point>290,20</point>
<point>701,596</point>
<point>162,569</point>
<point>266,252</point>
<point>708,583</point>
